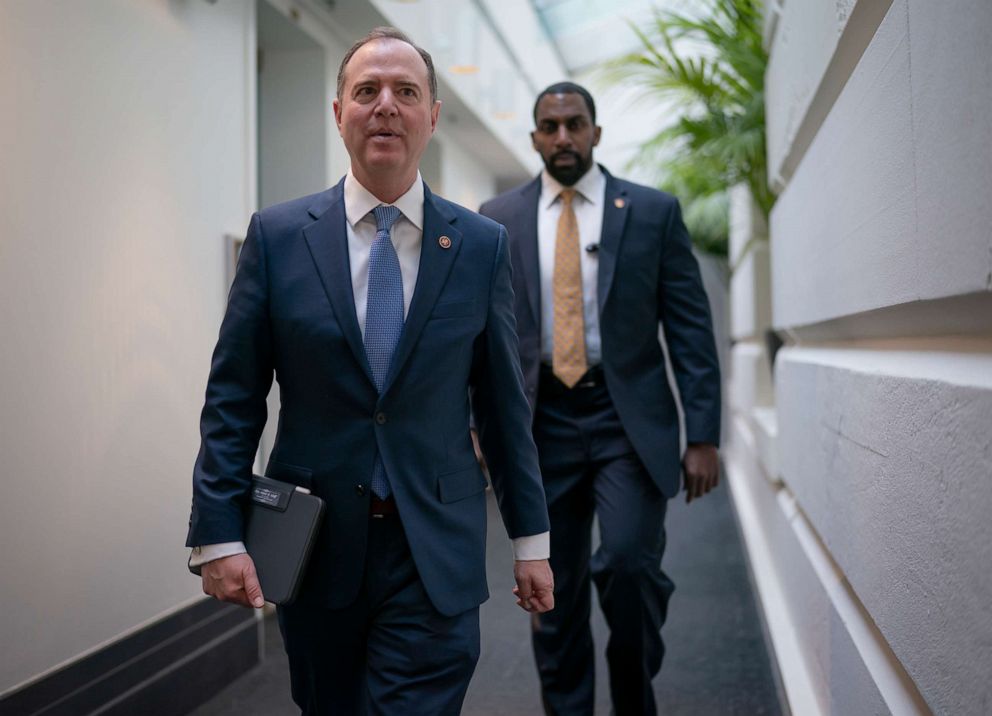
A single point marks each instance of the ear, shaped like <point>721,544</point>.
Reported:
<point>435,113</point>
<point>595,135</point>
<point>336,104</point>
<point>533,141</point>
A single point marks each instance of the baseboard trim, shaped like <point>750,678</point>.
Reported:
<point>787,651</point>
<point>165,669</point>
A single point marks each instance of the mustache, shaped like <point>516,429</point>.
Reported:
<point>567,153</point>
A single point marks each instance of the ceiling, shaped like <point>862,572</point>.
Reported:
<point>587,32</point>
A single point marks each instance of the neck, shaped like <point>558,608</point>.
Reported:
<point>388,188</point>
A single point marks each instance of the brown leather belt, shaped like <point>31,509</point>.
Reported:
<point>382,508</point>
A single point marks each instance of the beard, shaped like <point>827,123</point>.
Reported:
<point>568,174</point>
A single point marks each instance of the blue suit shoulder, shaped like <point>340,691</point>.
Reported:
<point>468,221</point>
<point>297,205</point>
<point>641,193</point>
<point>511,200</point>
<point>294,213</point>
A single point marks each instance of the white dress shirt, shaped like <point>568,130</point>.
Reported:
<point>407,235</point>
<point>590,195</point>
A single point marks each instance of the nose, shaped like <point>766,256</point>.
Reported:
<point>385,103</point>
<point>562,137</point>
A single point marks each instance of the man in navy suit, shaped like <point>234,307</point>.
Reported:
<point>600,264</point>
<point>378,306</point>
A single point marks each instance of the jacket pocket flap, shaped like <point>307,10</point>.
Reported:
<point>454,486</point>
<point>302,476</point>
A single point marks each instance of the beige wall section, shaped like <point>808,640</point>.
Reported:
<point>862,473</point>
<point>888,454</point>
<point>907,152</point>
<point>126,146</point>
<point>464,179</point>
<point>813,49</point>
<point>293,116</point>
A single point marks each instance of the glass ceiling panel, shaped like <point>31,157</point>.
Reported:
<point>563,16</point>
<point>590,31</point>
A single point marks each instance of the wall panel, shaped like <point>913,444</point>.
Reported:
<point>889,454</point>
<point>126,142</point>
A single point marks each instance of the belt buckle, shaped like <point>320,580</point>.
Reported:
<point>385,508</point>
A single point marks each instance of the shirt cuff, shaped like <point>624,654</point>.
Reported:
<point>210,552</point>
<point>532,547</point>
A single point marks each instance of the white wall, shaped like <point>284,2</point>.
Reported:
<point>464,179</point>
<point>127,133</point>
<point>308,43</point>
<point>293,115</point>
<point>862,475</point>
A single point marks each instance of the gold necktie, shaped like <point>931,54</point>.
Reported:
<point>569,359</point>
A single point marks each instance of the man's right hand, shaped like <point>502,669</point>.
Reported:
<point>232,579</point>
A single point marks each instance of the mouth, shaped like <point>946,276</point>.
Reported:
<point>384,135</point>
<point>565,159</point>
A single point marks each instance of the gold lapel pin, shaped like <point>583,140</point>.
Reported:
<point>619,203</point>
<point>445,242</point>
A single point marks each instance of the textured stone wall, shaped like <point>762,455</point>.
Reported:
<point>864,466</point>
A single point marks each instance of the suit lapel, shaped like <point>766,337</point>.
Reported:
<point>327,238</point>
<point>525,244</point>
<point>617,206</point>
<point>435,264</point>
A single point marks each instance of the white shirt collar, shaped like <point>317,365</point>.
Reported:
<point>589,187</point>
<point>359,201</point>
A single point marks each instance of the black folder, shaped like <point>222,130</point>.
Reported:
<point>281,527</point>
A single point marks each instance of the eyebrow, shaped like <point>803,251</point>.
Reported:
<point>377,80</point>
<point>559,120</point>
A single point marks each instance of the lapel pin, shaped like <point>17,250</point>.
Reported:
<point>445,242</point>
<point>619,203</point>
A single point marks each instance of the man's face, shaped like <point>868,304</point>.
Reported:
<point>565,136</point>
<point>385,114</point>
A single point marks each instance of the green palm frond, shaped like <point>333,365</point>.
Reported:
<point>719,138</point>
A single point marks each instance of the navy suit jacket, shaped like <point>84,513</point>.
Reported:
<point>291,312</point>
<point>648,277</point>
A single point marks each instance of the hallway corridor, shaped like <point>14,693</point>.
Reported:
<point>716,661</point>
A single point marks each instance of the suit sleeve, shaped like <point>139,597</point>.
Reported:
<point>685,315</point>
<point>502,414</point>
<point>234,411</point>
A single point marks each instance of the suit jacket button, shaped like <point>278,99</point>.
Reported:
<point>359,490</point>
<point>380,418</point>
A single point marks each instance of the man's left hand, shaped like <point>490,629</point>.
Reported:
<point>702,470</point>
<point>535,590</point>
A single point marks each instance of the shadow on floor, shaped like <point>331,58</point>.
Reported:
<point>716,660</point>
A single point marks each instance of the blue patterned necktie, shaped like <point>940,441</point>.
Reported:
<point>383,316</point>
